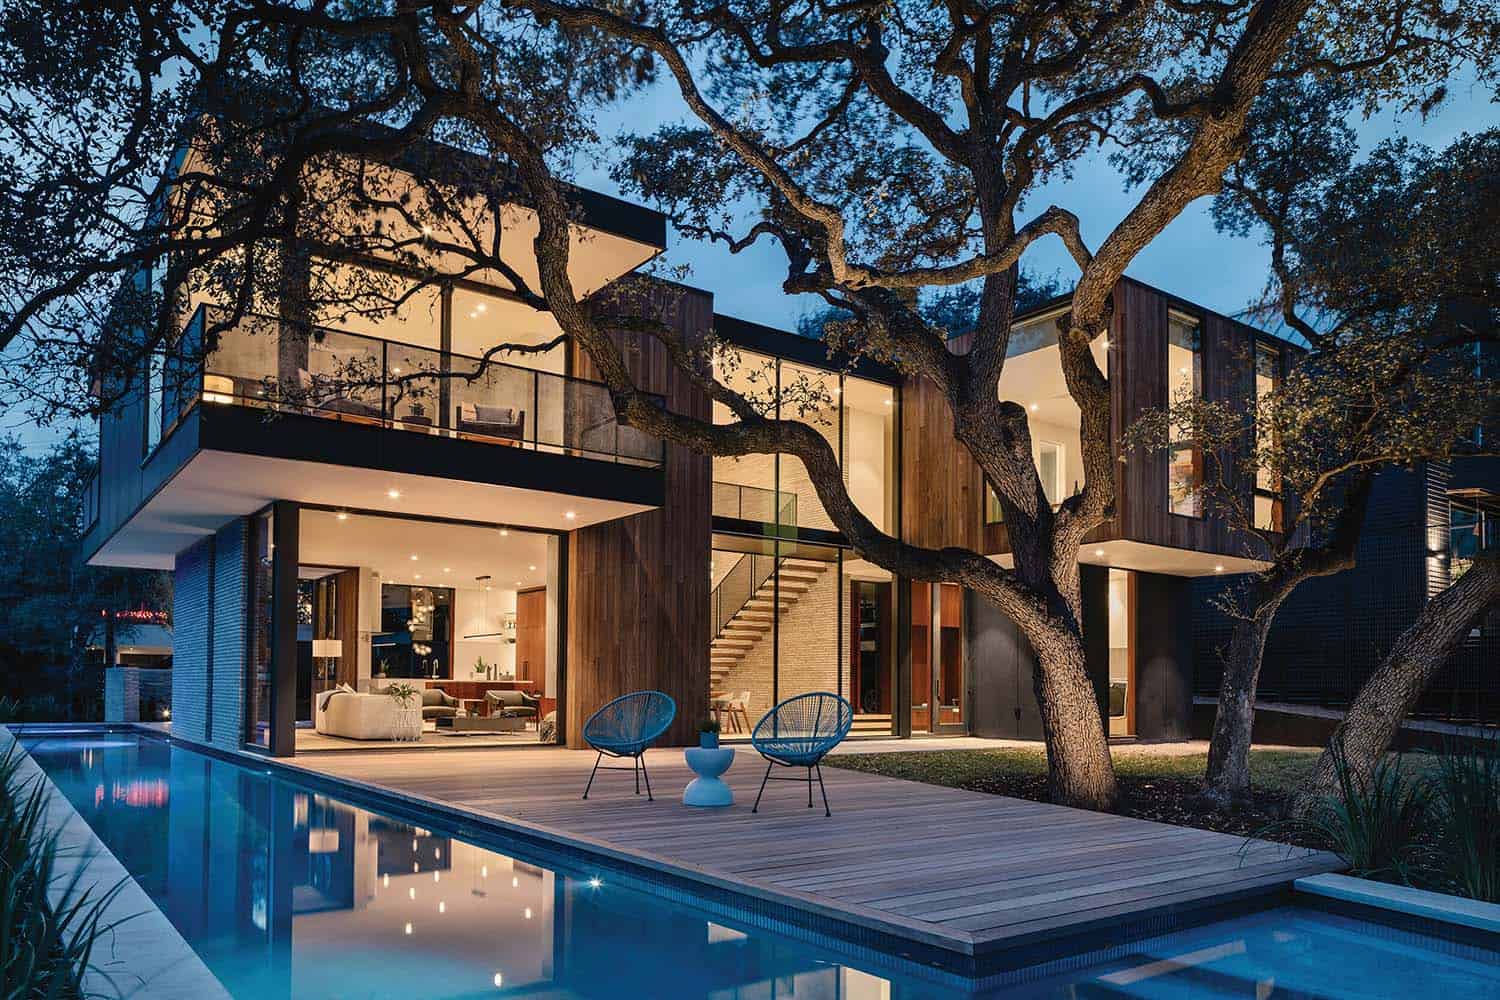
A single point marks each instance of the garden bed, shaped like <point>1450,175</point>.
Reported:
<point>1156,786</point>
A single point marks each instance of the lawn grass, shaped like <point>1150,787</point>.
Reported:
<point>1157,786</point>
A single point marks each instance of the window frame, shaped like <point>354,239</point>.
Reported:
<point>1200,378</point>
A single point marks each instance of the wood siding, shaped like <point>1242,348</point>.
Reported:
<point>1228,347</point>
<point>943,492</point>
<point>638,594</point>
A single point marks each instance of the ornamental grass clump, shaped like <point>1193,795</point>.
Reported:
<point>46,938</point>
<point>1466,814</point>
<point>1378,824</point>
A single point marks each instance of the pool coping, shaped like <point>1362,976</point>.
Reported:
<point>142,944</point>
<point>1404,900</point>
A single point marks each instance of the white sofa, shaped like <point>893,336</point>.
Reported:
<point>356,716</point>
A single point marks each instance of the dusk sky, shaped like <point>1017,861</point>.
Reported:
<point>1190,259</point>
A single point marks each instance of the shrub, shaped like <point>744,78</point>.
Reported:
<point>45,942</point>
<point>1377,825</point>
<point>1466,800</point>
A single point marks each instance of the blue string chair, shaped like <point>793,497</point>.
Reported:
<point>625,727</point>
<point>799,732</point>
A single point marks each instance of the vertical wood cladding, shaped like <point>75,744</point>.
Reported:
<point>943,492</point>
<point>638,594</point>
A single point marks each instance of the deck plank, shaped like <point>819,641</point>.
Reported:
<point>961,869</point>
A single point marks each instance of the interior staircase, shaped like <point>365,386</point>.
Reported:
<point>789,580</point>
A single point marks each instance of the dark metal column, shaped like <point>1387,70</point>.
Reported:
<point>285,528</point>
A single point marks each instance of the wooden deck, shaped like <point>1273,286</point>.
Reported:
<point>965,873</point>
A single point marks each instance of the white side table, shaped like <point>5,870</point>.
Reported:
<point>708,790</point>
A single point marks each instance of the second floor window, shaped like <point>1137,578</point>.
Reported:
<point>1184,383</point>
<point>1268,516</point>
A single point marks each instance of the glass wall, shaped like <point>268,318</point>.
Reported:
<point>856,416</point>
<point>258,660</point>
<point>777,625</point>
<point>1267,481</point>
<point>814,397</point>
<point>1184,383</point>
<point>1121,655</point>
<point>869,449</point>
<point>744,486</point>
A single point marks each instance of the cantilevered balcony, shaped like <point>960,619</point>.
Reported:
<point>263,363</point>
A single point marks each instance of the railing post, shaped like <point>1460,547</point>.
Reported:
<point>385,382</point>
<point>536,411</point>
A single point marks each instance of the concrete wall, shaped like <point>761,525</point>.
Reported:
<point>210,594</point>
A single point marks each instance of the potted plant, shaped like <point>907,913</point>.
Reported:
<point>480,667</point>
<point>408,711</point>
<point>708,734</point>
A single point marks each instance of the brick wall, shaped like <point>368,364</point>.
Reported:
<point>208,614</point>
<point>809,642</point>
<point>190,642</point>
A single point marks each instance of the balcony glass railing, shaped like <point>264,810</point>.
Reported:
<point>754,503</point>
<point>260,361</point>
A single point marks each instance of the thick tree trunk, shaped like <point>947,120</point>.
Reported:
<point>1227,779</point>
<point>1398,683</point>
<point>1080,771</point>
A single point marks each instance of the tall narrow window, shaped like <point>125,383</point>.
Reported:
<point>1268,515</point>
<point>1184,383</point>
<point>1049,467</point>
<point>262,632</point>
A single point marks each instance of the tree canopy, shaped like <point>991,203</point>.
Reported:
<point>894,151</point>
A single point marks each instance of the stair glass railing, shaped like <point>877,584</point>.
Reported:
<point>741,583</point>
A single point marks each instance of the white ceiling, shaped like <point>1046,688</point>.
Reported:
<point>448,555</point>
<point>1146,558</point>
<point>217,486</point>
<point>1035,381</point>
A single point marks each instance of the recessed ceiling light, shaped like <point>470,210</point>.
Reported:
<point>447,569</point>
<point>1098,552</point>
<point>532,568</point>
<point>887,402</point>
<point>499,981</point>
<point>1219,568</point>
<point>393,494</point>
<point>518,583</point>
<point>408,927</point>
<point>1034,407</point>
<point>419,576</point>
<point>503,532</point>
<point>395,370</point>
<point>413,557</point>
<point>343,515</point>
<point>571,515</point>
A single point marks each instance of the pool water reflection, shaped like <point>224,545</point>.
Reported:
<point>285,892</point>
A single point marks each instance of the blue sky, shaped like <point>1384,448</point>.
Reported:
<point>1189,259</point>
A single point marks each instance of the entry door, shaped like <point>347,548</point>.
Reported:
<point>938,681</point>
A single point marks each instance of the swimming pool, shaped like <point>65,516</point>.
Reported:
<point>286,891</point>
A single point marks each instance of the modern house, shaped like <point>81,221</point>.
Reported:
<point>505,541</point>
<point>1421,530</point>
